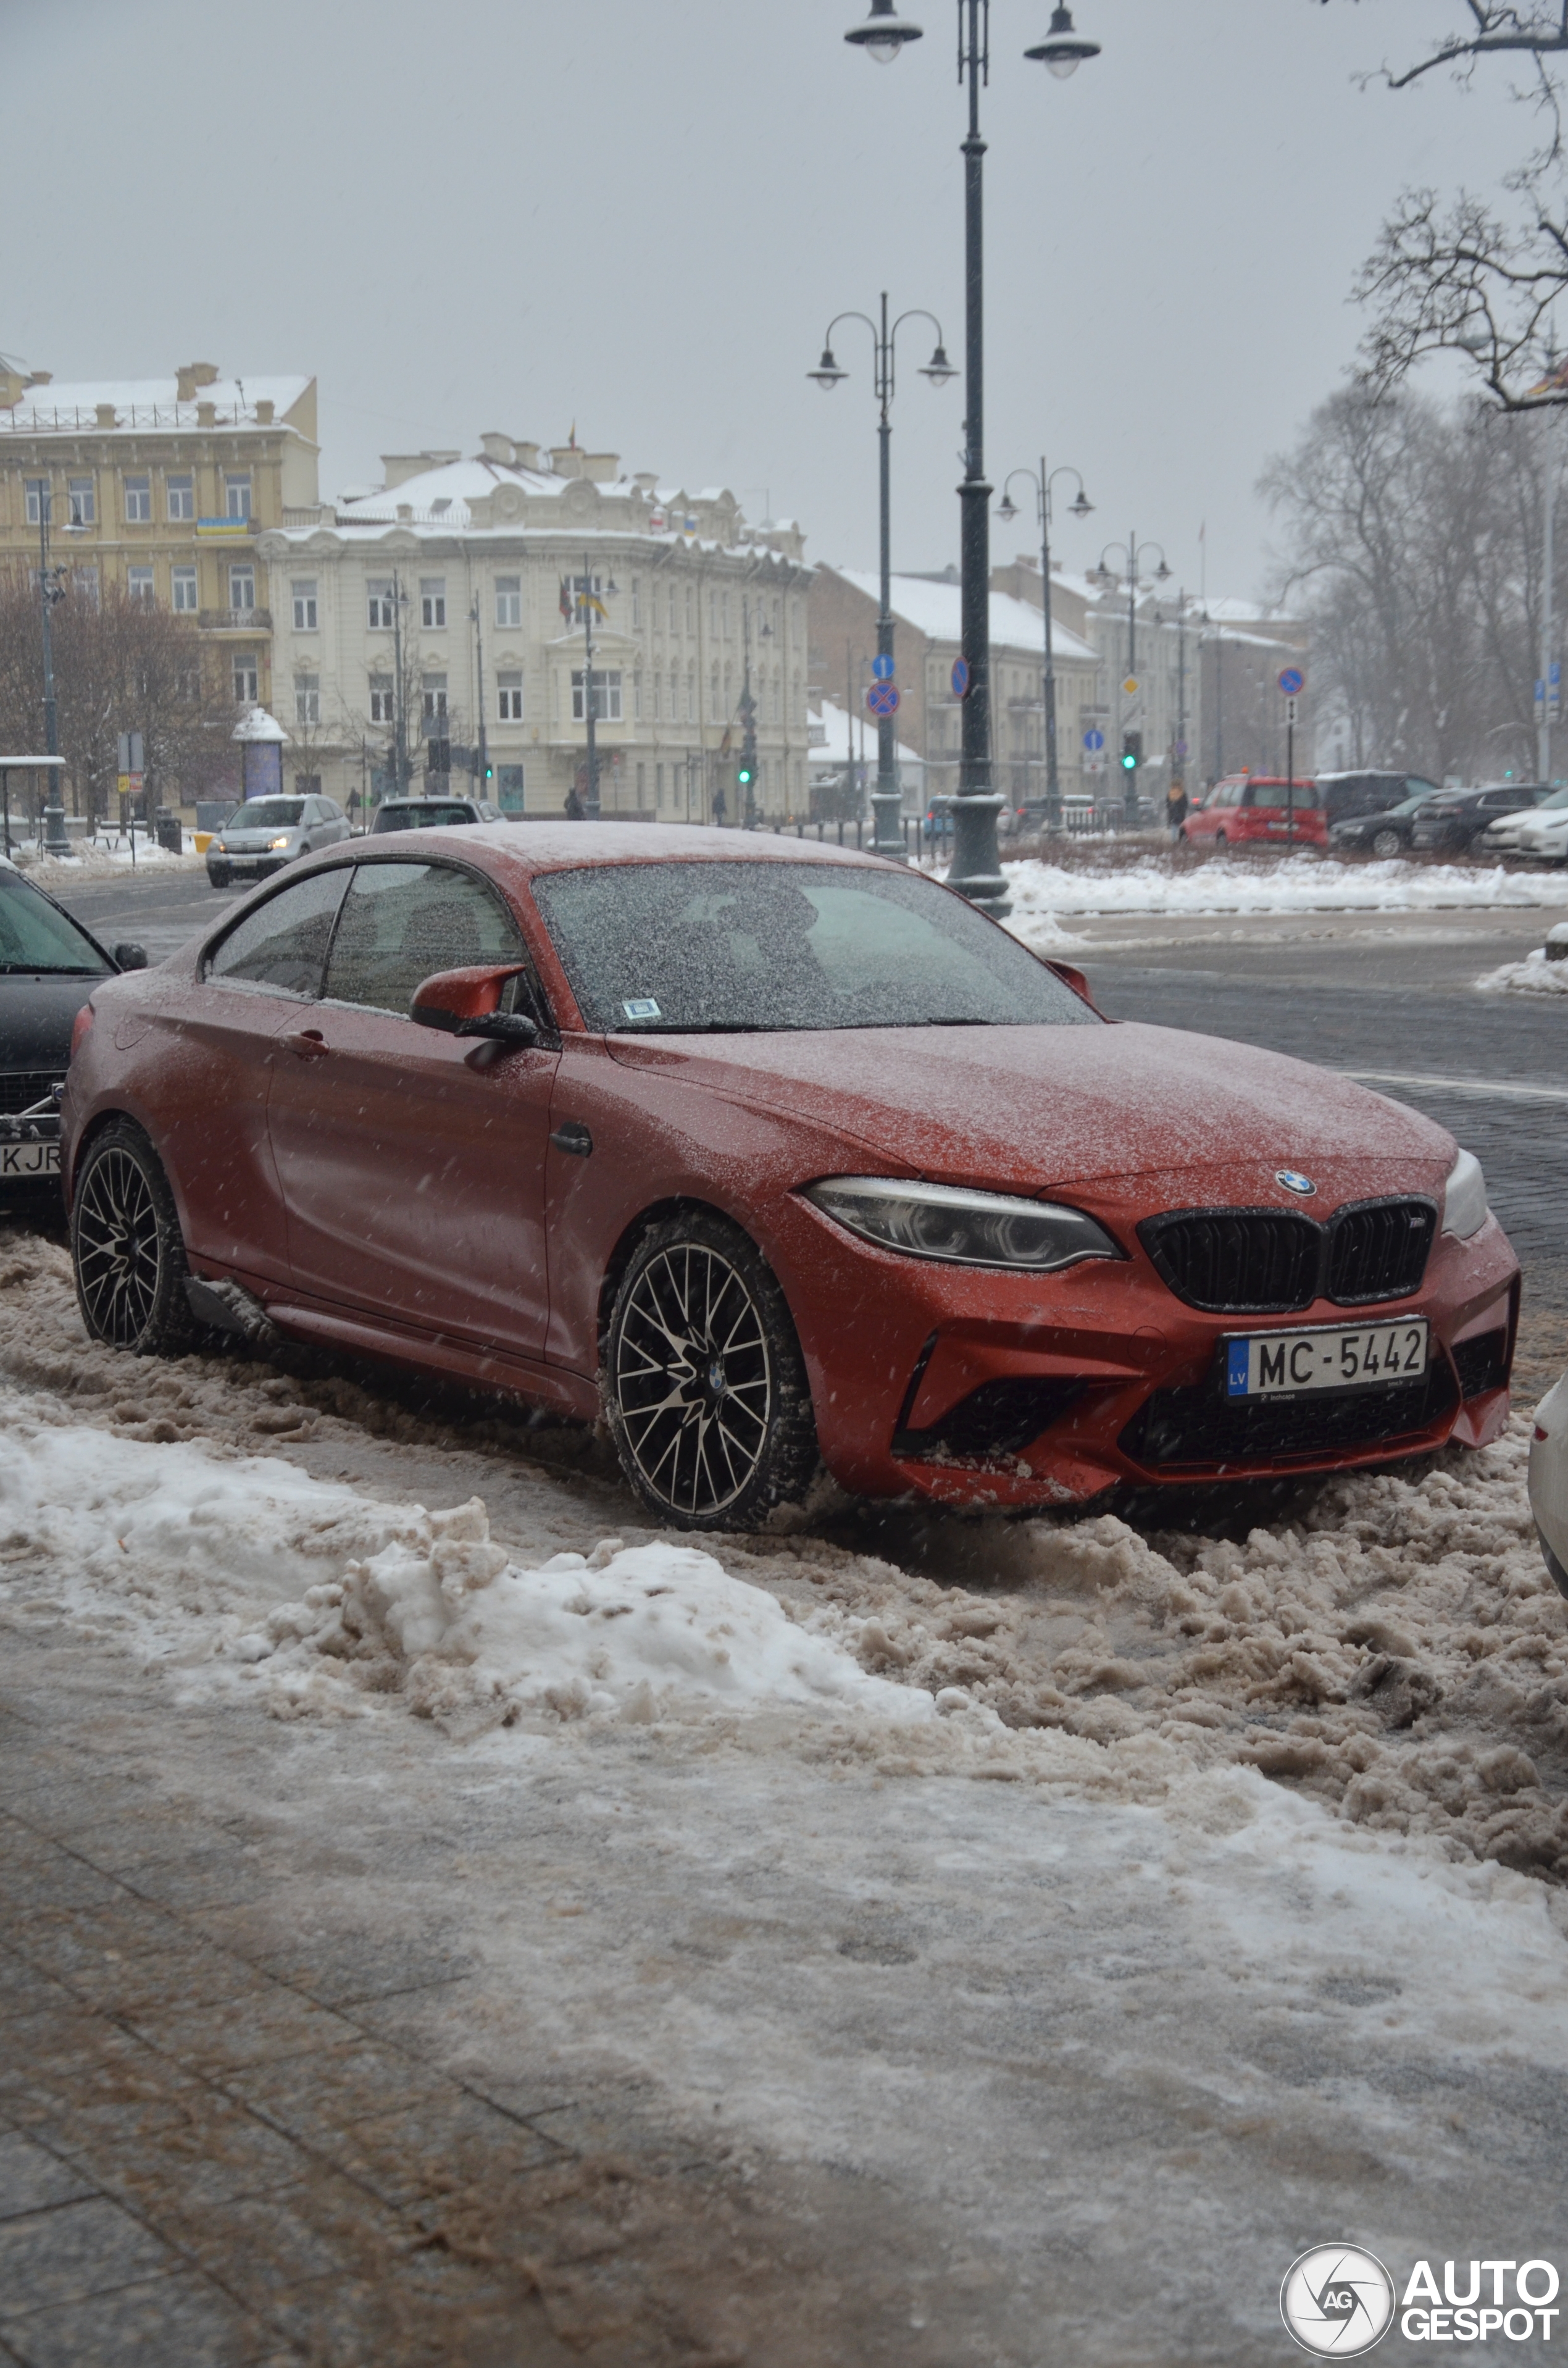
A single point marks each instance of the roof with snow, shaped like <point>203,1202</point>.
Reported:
<point>141,402</point>
<point>839,747</point>
<point>937,610</point>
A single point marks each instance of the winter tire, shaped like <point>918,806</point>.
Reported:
<point>1386,843</point>
<point>1220,839</point>
<point>705,1387</point>
<point>218,875</point>
<point>127,1249</point>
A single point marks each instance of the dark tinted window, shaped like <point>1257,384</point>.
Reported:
<point>282,944</point>
<point>430,814</point>
<point>404,922</point>
<point>268,814</point>
<point>34,937</point>
<point>652,947</point>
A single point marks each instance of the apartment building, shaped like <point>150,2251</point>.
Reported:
<point>163,486</point>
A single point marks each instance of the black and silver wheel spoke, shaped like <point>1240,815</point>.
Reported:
<point>693,1379</point>
<point>119,1255</point>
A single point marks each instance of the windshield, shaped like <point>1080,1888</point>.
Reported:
<point>1558,798</point>
<point>35,936</point>
<point>422,817</point>
<point>1408,805</point>
<point>651,948</point>
<point>268,814</point>
<point>1271,794</point>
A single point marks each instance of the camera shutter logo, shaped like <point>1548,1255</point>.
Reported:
<point>1337,2301</point>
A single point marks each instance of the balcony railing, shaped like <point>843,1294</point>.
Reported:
<point>235,620</point>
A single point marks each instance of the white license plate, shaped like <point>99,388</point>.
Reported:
<point>1356,1357</point>
<point>29,1159</point>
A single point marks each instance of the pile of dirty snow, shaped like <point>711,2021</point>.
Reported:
<point>93,859</point>
<point>1537,975</point>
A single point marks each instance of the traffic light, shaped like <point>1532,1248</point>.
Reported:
<point>743,777</point>
<point>489,773</point>
<point>1131,751</point>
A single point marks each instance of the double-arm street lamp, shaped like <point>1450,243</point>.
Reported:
<point>976,867</point>
<point>52,589</point>
<point>1130,556</point>
<point>887,835</point>
<point>1007,510</point>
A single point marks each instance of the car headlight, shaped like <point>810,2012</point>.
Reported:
<point>1464,1198</point>
<point>287,840</point>
<point>962,1228</point>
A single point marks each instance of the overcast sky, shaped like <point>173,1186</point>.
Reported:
<point>638,215</point>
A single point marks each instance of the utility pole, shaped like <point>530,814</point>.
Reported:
<point>1544,714</point>
<point>748,725</point>
<point>592,800</point>
<point>478,677</point>
<point>50,591</point>
<point>1178,754</point>
<point>400,705</point>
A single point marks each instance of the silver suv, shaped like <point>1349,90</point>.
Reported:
<point>265,834</point>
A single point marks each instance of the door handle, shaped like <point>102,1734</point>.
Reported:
<point>309,1044</point>
<point>574,1137</point>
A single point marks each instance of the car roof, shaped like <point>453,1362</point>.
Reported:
<point>540,847</point>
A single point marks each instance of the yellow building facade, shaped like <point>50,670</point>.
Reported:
<point>162,486</point>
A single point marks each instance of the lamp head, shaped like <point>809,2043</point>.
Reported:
<point>1082,507</point>
<point>1162,574</point>
<point>1006,509</point>
<point>883,34</point>
<point>938,369</point>
<point>1063,50</point>
<point>827,373</point>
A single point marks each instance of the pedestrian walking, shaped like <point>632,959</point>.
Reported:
<point>1176,810</point>
<point>575,809</point>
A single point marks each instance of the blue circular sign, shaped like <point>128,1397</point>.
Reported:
<point>1094,739</point>
<point>960,678</point>
<point>882,698</point>
<point>881,665</point>
<point>1292,681</point>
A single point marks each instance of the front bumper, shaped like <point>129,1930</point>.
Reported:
<point>974,1388</point>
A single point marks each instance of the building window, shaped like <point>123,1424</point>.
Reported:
<point>691,694</point>
<point>245,677</point>
<point>38,500</point>
<point>182,583</point>
<point>307,699</point>
<point>433,695</point>
<point>777,697</point>
<point>138,500</point>
<point>508,599</point>
<point>432,602</point>
<point>725,613</point>
<point>641,785</point>
<point>636,703</point>
<point>138,583</point>
<point>84,583</point>
<point>658,694</point>
<point>381,699</point>
<point>636,600</point>
<point>378,603</point>
<point>509,788</point>
<point>606,697</point>
<point>81,501</point>
<point>509,698</point>
<point>715,713</point>
<point>673,625</point>
<point>180,495</point>
<point>712,616</point>
<point>687,610</point>
<point>236,496</point>
<point>307,785</point>
<point>305,606</point>
<point>242,588</point>
<point>659,788</point>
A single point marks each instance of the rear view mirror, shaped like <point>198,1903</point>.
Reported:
<point>127,956</point>
<point>468,1003</point>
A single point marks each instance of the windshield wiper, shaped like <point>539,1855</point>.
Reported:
<point>703,1028</point>
<point>53,970</point>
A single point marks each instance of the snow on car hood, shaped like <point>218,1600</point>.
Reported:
<point>1029,1109</point>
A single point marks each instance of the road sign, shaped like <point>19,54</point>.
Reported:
<point>960,678</point>
<point>1290,711</point>
<point>128,785</point>
<point>882,698</point>
<point>881,665</point>
<point>1181,749</point>
<point>1292,682</point>
<point>1130,686</point>
<point>1094,739</point>
<point>131,758</point>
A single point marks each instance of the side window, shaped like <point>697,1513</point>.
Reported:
<point>283,943</point>
<point>403,922</point>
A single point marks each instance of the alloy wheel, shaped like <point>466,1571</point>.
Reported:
<point>694,1379</point>
<point>118,1249</point>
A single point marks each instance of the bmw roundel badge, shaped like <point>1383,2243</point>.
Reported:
<point>1294,1181</point>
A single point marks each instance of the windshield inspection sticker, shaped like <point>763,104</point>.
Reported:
<point>641,1006</point>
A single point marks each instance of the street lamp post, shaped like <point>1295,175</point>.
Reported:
<point>483,752</point>
<point>887,834</point>
<point>1007,511</point>
<point>976,868</point>
<point>51,589</point>
<point>1131,555</point>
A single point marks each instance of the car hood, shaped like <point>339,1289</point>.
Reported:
<point>36,1015</point>
<point>1038,1110</point>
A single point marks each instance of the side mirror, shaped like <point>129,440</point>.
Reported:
<point>1072,977</point>
<point>127,956</point>
<point>468,1003</point>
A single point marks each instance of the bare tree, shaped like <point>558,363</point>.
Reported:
<point>120,665</point>
<point>1464,275</point>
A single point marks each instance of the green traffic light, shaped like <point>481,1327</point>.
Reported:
<point>1129,763</point>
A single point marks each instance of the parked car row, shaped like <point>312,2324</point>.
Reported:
<point>265,834</point>
<point>1383,814</point>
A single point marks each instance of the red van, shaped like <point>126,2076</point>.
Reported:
<point>1251,807</point>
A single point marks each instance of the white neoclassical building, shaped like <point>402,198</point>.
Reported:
<point>451,606</point>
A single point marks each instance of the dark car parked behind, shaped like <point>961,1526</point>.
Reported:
<point>1453,820</point>
<point>1385,830</point>
<point>49,966</point>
